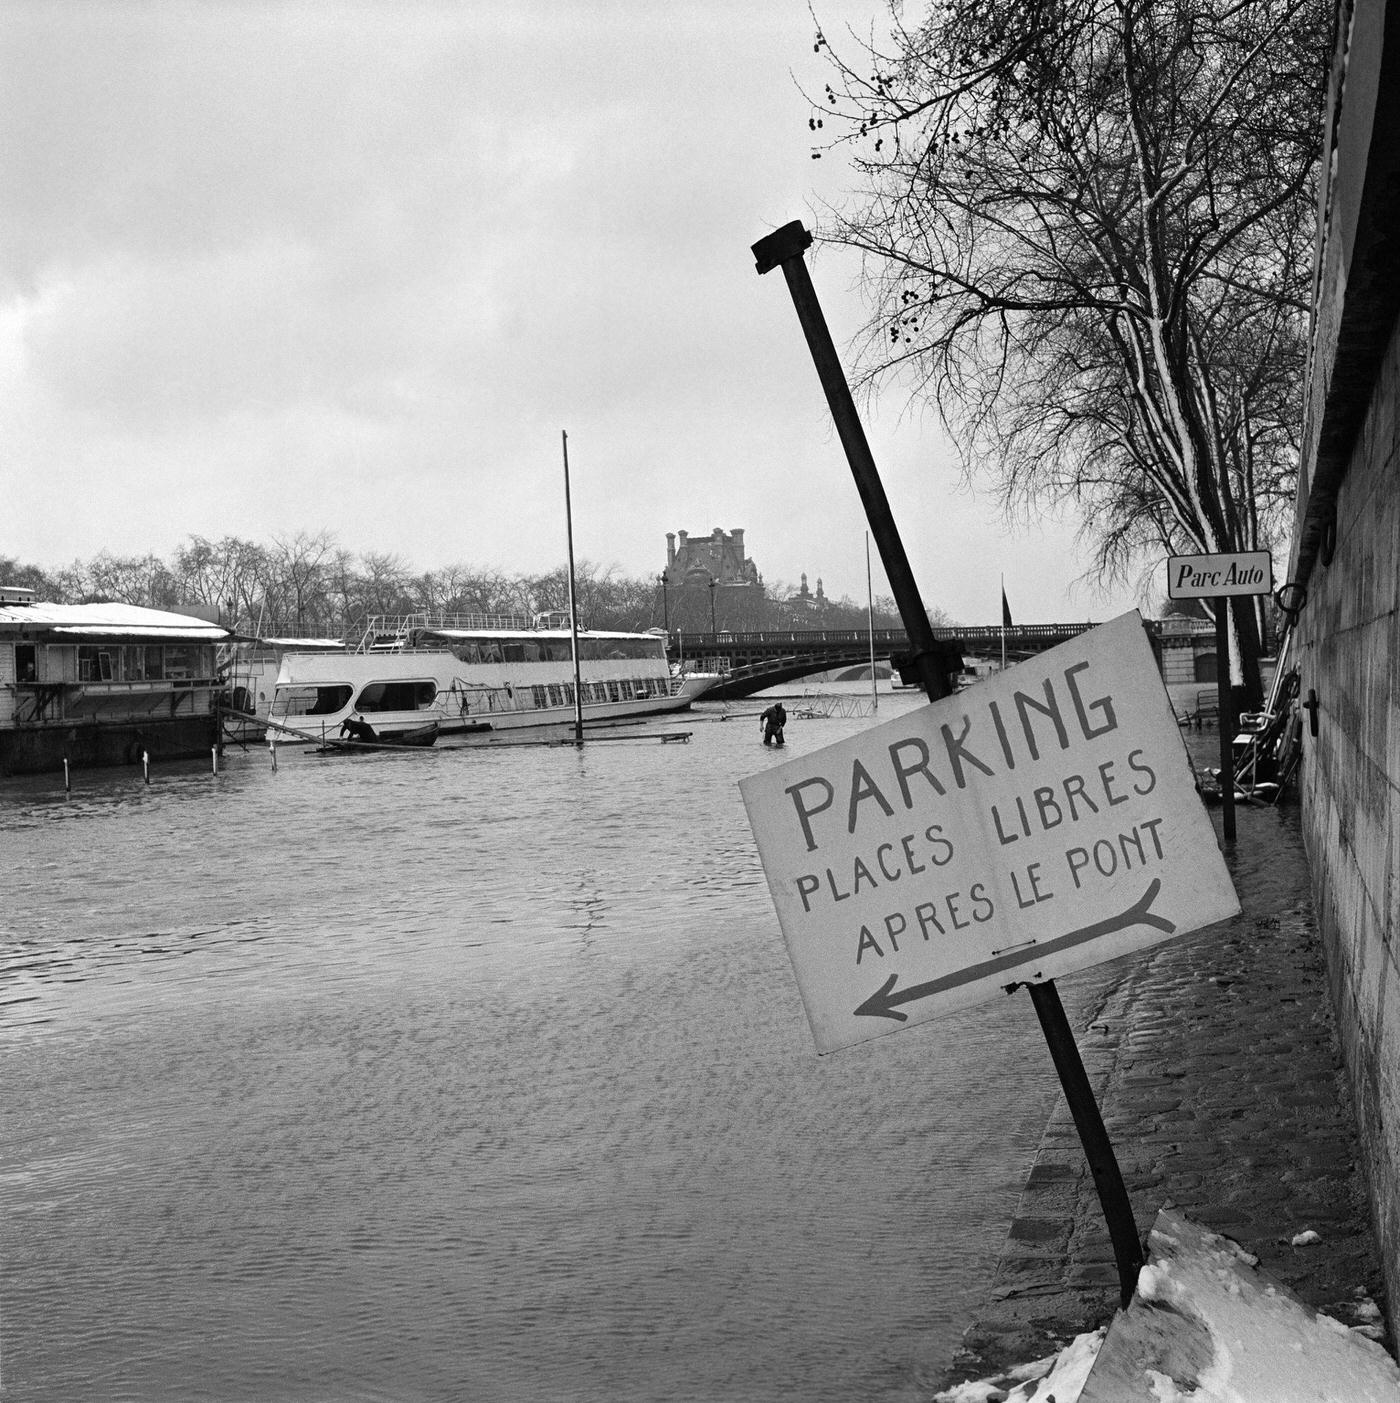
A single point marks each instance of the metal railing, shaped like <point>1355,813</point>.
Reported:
<point>389,631</point>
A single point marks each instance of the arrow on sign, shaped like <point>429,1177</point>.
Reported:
<point>884,1002</point>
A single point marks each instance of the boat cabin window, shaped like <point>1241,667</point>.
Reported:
<point>397,696</point>
<point>94,663</point>
<point>595,649</point>
<point>311,701</point>
<point>558,650</point>
<point>181,662</point>
<point>26,665</point>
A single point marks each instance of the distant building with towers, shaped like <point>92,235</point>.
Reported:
<point>805,600</point>
<point>718,556</point>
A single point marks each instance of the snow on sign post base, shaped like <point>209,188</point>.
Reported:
<point>1041,822</point>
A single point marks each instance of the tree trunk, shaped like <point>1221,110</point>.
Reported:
<point>1244,616</point>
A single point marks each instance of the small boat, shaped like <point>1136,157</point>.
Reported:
<point>420,738</point>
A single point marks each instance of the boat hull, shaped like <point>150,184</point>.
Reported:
<point>86,745</point>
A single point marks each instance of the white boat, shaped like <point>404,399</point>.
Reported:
<point>475,674</point>
<point>248,667</point>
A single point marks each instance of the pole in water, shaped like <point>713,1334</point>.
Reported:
<point>215,752</point>
<point>573,606</point>
<point>272,746</point>
<point>146,765</point>
<point>1227,719</point>
<point>67,783</point>
<point>783,249</point>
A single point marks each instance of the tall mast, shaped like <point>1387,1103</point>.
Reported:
<point>573,608</point>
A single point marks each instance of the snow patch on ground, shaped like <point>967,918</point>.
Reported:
<point>1058,1378</point>
<point>1205,1326</point>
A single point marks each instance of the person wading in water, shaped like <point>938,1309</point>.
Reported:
<point>772,721</point>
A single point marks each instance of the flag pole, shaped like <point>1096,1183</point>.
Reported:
<point>1003,622</point>
<point>870,626</point>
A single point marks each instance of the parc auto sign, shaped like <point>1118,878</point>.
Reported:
<point>1040,822</point>
<point>1206,576</point>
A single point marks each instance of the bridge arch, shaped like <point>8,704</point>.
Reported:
<point>753,662</point>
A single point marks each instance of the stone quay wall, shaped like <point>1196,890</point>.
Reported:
<point>1343,584</point>
<point>1345,650</point>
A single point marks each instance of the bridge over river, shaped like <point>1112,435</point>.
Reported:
<point>754,661</point>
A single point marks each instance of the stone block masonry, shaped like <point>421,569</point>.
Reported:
<point>1350,783</point>
<point>1344,581</point>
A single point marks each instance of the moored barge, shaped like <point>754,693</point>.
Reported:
<point>103,684</point>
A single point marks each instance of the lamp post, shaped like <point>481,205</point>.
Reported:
<point>714,628</point>
<point>665,604</point>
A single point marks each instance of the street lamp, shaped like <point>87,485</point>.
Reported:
<point>665,603</point>
<point>713,626</point>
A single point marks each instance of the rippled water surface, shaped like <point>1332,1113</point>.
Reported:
<point>467,1075</point>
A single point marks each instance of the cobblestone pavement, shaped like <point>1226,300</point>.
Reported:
<point>1217,1070</point>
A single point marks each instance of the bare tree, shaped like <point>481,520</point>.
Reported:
<point>1087,227</point>
<point>308,584</point>
<point>225,573</point>
<point>299,577</point>
<point>127,579</point>
<point>385,585</point>
<point>44,585</point>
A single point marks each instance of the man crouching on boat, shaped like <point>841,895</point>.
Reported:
<point>357,729</point>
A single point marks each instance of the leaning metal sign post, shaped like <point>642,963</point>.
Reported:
<point>1220,577</point>
<point>784,249</point>
<point>1038,823</point>
<point>1041,822</point>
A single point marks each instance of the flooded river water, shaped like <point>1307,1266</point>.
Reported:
<point>468,1075</point>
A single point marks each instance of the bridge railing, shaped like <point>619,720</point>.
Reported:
<point>774,636</point>
<point>883,637</point>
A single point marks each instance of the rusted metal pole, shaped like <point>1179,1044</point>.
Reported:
<point>784,249</point>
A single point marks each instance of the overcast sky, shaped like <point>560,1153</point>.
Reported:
<point>267,268</point>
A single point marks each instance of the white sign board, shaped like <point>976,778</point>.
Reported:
<point>1040,822</point>
<point>1207,576</point>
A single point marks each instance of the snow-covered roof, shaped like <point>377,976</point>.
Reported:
<point>107,621</point>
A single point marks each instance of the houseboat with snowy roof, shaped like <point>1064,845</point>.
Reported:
<point>103,684</point>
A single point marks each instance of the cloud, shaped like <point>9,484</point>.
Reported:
<point>268,267</point>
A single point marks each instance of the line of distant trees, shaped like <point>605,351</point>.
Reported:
<point>308,585</point>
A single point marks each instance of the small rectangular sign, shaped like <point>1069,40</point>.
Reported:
<point>1204,576</point>
<point>1040,822</point>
